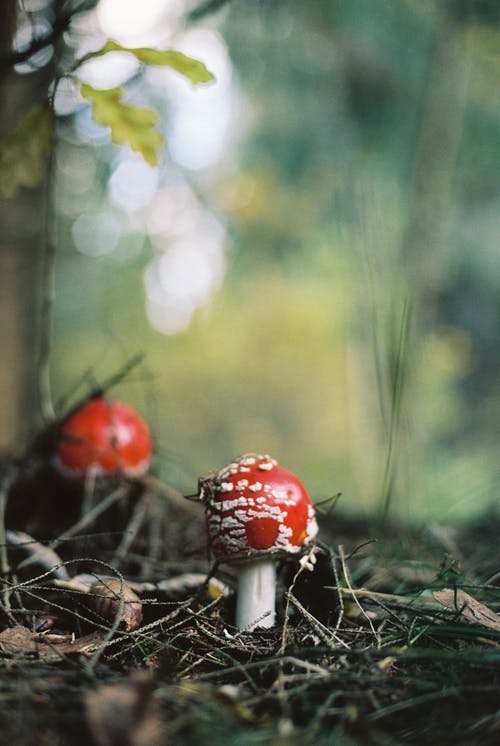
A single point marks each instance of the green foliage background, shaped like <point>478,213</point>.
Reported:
<point>337,221</point>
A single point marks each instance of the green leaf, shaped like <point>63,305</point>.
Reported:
<point>192,69</point>
<point>130,125</point>
<point>23,150</point>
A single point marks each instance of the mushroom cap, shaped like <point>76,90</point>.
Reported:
<point>107,436</point>
<point>256,508</point>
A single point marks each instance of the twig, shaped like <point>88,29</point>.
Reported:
<point>131,531</point>
<point>59,27</point>
<point>414,702</point>
<point>172,495</point>
<point>156,528</point>
<point>89,489</point>
<point>98,389</point>
<point>86,520</point>
<point>120,374</point>
<point>353,592</point>
<point>339,595</point>
<point>83,522</point>
<point>301,569</point>
<point>38,553</point>
<point>92,663</point>
<point>330,638</point>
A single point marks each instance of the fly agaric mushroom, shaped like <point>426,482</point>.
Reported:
<point>256,511</point>
<point>105,436</point>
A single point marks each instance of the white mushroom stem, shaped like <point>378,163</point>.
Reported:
<point>256,596</point>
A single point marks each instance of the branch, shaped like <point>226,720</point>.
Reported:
<point>205,9</point>
<point>60,26</point>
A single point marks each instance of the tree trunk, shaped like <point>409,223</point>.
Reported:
<point>22,219</point>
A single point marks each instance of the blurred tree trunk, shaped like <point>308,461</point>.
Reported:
<point>22,219</point>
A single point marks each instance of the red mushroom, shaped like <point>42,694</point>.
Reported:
<point>256,511</point>
<point>105,436</point>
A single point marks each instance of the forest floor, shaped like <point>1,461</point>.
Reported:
<point>394,638</point>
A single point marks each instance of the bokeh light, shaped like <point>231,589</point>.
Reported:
<point>184,275</point>
<point>96,234</point>
<point>132,184</point>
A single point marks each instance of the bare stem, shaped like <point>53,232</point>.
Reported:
<point>255,602</point>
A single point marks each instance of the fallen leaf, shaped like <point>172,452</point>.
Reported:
<point>17,641</point>
<point>88,645</point>
<point>20,642</point>
<point>125,714</point>
<point>468,607</point>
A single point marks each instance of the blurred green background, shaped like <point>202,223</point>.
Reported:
<point>313,271</point>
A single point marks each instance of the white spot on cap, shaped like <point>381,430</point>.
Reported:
<point>279,494</point>
<point>256,487</point>
<point>226,506</point>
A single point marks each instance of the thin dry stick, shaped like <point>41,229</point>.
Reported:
<point>87,379</point>
<point>139,636</point>
<point>86,520</point>
<point>330,639</point>
<point>299,572</point>
<point>353,592</point>
<point>221,650</point>
<point>172,495</point>
<point>307,666</point>
<point>89,490</point>
<point>286,718</point>
<point>83,522</point>
<point>373,594</point>
<point>38,553</point>
<point>114,627</point>
<point>157,526</point>
<point>339,595</point>
<point>407,704</point>
<point>265,663</point>
<point>131,531</point>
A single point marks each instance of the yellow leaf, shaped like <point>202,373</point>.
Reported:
<point>130,125</point>
<point>191,68</point>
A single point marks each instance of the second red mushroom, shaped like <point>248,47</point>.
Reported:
<point>256,511</point>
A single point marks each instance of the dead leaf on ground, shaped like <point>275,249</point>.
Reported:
<point>468,607</point>
<point>19,641</point>
<point>125,714</point>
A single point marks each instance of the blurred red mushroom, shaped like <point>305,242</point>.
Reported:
<point>106,437</point>
<point>256,511</point>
